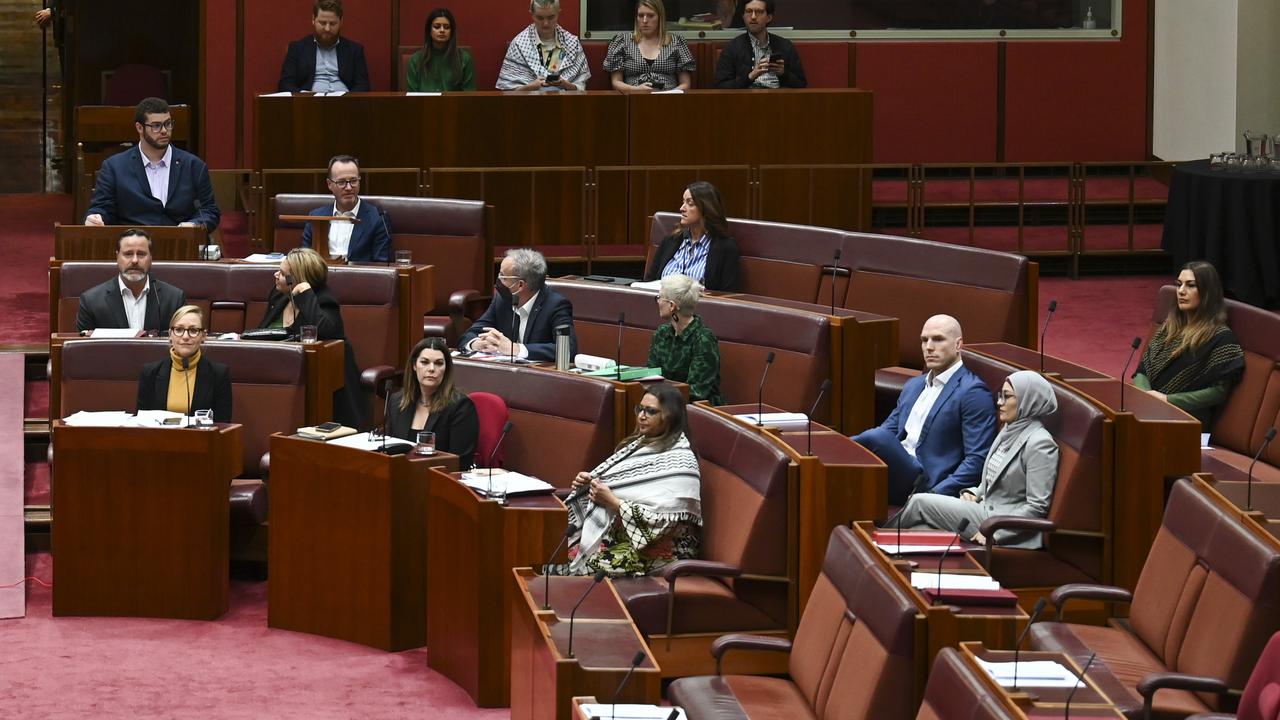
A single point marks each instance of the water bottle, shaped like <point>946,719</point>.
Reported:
<point>562,347</point>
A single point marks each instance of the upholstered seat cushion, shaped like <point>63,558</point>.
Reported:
<point>704,605</point>
<point>248,502</point>
<point>732,697</point>
<point>889,382</point>
<point>1122,662</point>
<point>1018,568</point>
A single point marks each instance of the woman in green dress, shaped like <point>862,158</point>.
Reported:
<point>441,66</point>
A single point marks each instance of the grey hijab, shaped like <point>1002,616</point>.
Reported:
<point>1035,400</point>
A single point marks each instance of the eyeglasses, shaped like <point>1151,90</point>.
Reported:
<point>158,126</point>
<point>346,183</point>
<point>650,411</point>
<point>1004,397</point>
<point>186,331</point>
<point>508,277</point>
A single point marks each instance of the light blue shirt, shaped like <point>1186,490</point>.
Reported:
<point>690,258</point>
<point>326,79</point>
<point>158,174</point>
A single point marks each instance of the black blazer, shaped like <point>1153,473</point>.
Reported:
<point>299,70</point>
<point>212,390</point>
<point>102,307</point>
<point>457,428</point>
<point>122,195</point>
<point>733,69</point>
<point>550,309</point>
<point>722,262</point>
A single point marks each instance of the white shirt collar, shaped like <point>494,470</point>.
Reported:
<point>943,377</point>
<point>355,211</point>
<point>527,307</point>
<point>165,160</point>
<point>125,292</point>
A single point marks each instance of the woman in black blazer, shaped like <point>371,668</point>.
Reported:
<point>186,381</point>
<point>701,220</point>
<point>302,297</point>
<point>428,400</point>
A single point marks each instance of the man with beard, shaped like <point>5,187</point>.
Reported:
<point>131,299</point>
<point>153,183</point>
<point>524,312</point>
<point>323,61</point>
<point>758,58</point>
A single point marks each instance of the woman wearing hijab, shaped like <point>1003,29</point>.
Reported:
<point>640,509</point>
<point>1019,474</point>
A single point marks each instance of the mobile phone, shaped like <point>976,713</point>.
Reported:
<point>553,78</point>
<point>171,421</point>
<point>288,280</point>
<point>328,427</point>
<point>775,58</point>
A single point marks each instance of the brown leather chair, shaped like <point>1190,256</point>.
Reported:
<point>1205,604</point>
<point>853,655</point>
<point>1077,525</point>
<point>744,579</point>
<point>956,692</point>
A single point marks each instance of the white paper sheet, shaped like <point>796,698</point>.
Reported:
<point>631,712</point>
<point>784,420</point>
<point>894,549</point>
<point>1031,673</point>
<point>277,94</point>
<point>110,418</point>
<point>367,441</point>
<point>113,333</point>
<point>514,482</point>
<point>264,258</point>
<point>423,94</point>
<point>952,581</point>
<point>651,285</point>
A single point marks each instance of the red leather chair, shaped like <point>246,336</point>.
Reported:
<point>1261,699</point>
<point>493,414</point>
<point>956,692</point>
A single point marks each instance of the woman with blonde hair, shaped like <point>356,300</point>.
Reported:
<point>649,58</point>
<point>186,381</point>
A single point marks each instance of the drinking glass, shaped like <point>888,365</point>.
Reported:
<point>426,443</point>
<point>404,257</point>
<point>309,334</point>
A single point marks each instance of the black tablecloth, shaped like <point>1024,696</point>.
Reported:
<point>1231,219</point>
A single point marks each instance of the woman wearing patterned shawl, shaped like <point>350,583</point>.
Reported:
<point>640,509</point>
<point>541,50</point>
<point>1194,359</point>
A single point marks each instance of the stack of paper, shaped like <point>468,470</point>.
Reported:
<point>515,483</point>
<point>784,420</point>
<point>1031,673</point>
<point>367,441</point>
<point>952,581</point>
<point>633,712</point>
<point>264,258</point>
<point>112,418</point>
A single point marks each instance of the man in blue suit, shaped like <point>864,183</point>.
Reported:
<point>153,183</point>
<point>524,311</point>
<point>936,439</point>
<point>368,240</point>
<point>323,61</point>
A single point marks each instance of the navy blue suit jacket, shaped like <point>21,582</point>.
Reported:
<point>550,309</point>
<point>122,195</point>
<point>956,435</point>
<point>370,238</point>
<point>299,70</point>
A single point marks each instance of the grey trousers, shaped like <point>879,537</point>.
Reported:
<point>942,512</point>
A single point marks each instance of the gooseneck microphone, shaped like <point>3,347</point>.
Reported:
<point>835,267</point>
<point>1066,709</point>
<point>506,428</point>
<point>515,328</point>
<point>613,702</point>
<point>826,385</point>
<point>383,217</point>
<point>1017,648</point>
<point>1053,307</point>
<point>897,517</point>
<point>622,320</point>
<point>768,360</point>
<point>595,580</point>
<point>1248,497</point>
<point>964,525</point>
<point>1124,374</point>
<point>386,414</point>
<point>186,365</point>
<point>546,576</point>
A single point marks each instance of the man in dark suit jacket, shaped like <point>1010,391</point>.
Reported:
<point>153,183</point>
<point>131,299</point>
<point>322,61</point>
<point>936,439</point>
<point>524,311</point>
<point>368,240</point>
<point>746,62</point>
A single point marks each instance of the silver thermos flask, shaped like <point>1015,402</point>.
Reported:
<point>562,347</point>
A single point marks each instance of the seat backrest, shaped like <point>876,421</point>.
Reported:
<point>492,413</point>
<point>956,692</point>
<point>370,298</point>
<point>1261,697</point>
<point>268,383</point>
<point>1208,597</point>
<point>745,479</point>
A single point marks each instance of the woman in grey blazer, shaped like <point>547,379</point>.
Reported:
<point>1019,474</point>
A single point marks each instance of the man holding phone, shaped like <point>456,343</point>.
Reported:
<point>758,59</point>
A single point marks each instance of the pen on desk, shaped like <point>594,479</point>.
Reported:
<point>675,713</point>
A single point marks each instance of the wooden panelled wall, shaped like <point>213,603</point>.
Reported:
<point>962,101</point>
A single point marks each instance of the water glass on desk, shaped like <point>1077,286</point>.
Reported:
<point>426,443</point>
<point>404,258</point>
<point>310,334</point>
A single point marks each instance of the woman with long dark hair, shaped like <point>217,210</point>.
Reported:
<point>1194,359</point>
<point>440,65</point>
<point>701,246</point>
<point>428,401</point>
<point>640,509</point>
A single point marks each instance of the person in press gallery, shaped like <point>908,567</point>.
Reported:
<point>649,58</point>
<point>440,65</point>
<point>544,50</point>
<point>323,61</point>
<point>758,58</point>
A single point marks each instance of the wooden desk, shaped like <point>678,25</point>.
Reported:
<point>98,242</point>
<point>348,538</point>
<point>544,679</point>
<point>141,520</point>
<point>1030,360</point>
<point>473,544</point>
<point>1039,703</point>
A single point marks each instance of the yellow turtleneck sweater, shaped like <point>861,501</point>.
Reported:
<point>179,381</point>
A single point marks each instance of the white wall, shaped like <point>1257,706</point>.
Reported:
<point>1258,99</point>
<point>1195,86</point>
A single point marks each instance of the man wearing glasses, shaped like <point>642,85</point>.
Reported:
<point>369,239</point>
<point>132,299</point>
<point>522,318</point>
<point>153,183</point>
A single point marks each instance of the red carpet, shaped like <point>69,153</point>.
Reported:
<point>24,292</point>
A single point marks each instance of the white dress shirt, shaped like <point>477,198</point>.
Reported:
<point>158,174</point>
<point>340,232</point>
<point>134,308</point>
<point>933,385</point>
<point>522,312</point>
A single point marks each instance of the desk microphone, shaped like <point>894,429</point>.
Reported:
<point>1137,343</point>
<point>546,576</point>
<point>613,702</point>
<point>835,267</point>
<point>595,580</point>
<point>186,365</point>
<point>768,360</point>
<point>506,428</point>
<point>622,319</point>
<point>897,517</point>
<point>383,217</point>
<point>1248,498</point>
<point>964,525</point>
<point>386,414</point>
<point>1053,307</point>
<point>515,328</point>
<point>826,385</point>
<point>1066,710</point>
<point>1017,648</point>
